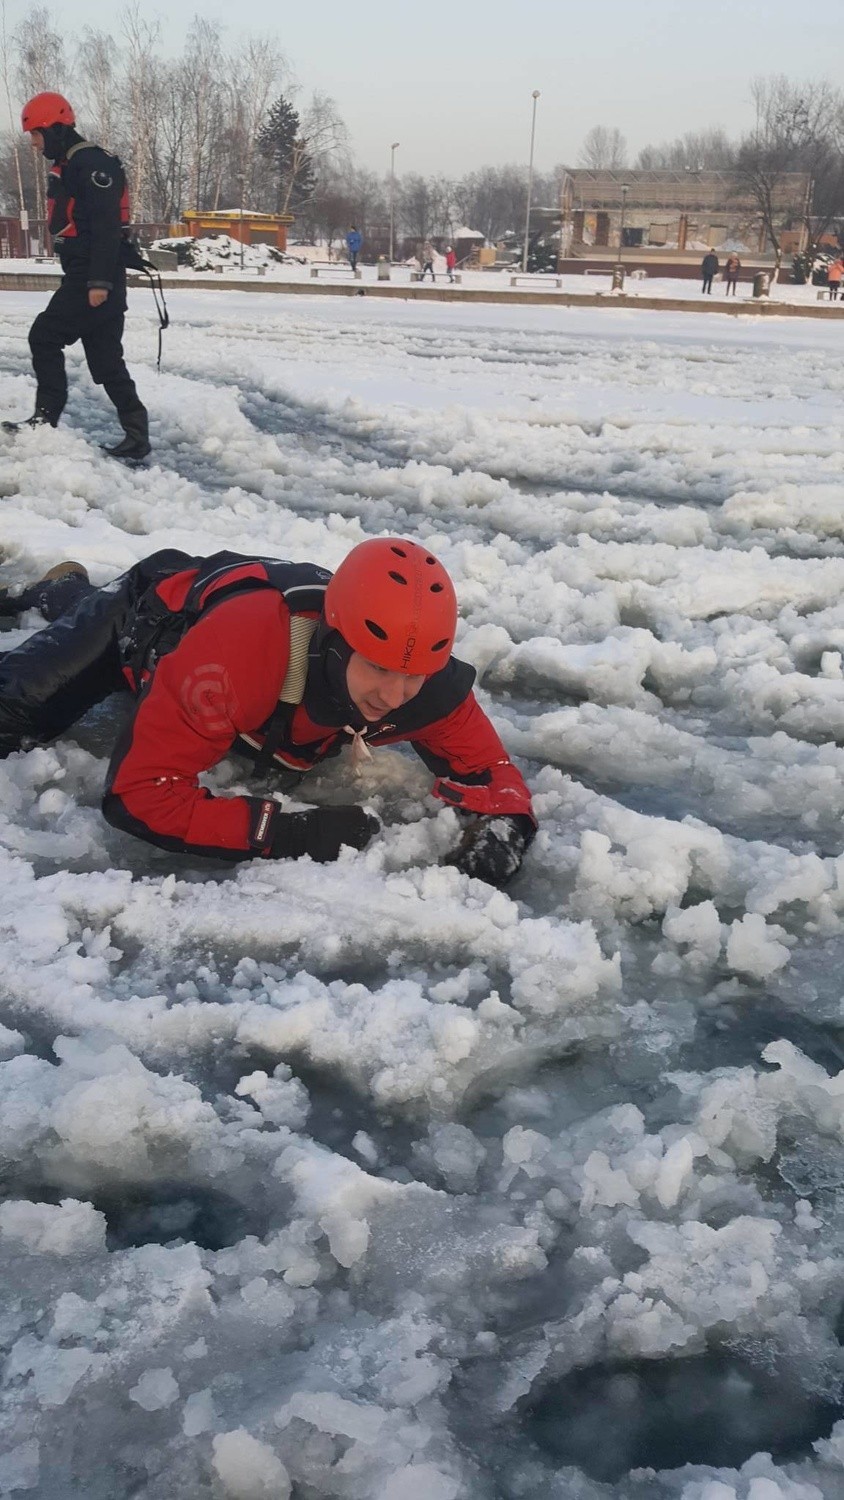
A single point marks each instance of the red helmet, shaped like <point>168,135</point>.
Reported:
<point>44,110</point>
<point>395,604</point>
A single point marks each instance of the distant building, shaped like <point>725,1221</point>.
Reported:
<point>244,225</point>
<point>684,211</point>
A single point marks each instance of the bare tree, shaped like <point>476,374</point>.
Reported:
<point>167,170</point>
<point>141,38</point>
<point>40,67</point>
<point>323,137</point>
<point>330,210</point>
<point>492,200</point>
<point>707,150</point>
<point>97,68</point>
<point>347,195</point>
<point>200,72</point>
<point>792,123</point>
<point>828,184</point>
<point>41,60</point>
<point>4,64</point>
<point>252,74</point>
<point>604,149</point>
<point>369,197</point>
<point>188,130</point>
<point>415,203</point>
<point>442,207</point>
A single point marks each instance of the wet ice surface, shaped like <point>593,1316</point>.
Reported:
<point>369,1181</point>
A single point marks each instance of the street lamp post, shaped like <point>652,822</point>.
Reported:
<point>625,188</point>
<point>535,96</point>
<point>242,192</point>
<point>393,149</point>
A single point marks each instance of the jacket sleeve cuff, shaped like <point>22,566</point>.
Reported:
<point>100,286</point>
<point>263,816</point>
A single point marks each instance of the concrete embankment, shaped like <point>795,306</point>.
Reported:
<point>20,281</point>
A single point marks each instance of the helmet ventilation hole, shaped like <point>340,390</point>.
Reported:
<point>375,630</point>
<point>397,578</point>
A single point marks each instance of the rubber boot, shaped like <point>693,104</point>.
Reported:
<point>135,445</point>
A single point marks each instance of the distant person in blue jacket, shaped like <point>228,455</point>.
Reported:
<point>354,240</point>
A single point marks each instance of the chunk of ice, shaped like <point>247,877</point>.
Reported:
<point>419,1482</point>
<point>155,1390</point>
<point>249,1469</point>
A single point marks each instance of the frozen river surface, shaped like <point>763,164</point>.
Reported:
<point>368,1182</point>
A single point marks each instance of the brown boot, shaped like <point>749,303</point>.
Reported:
<point>44,595</point>
<point>63,570</point>
<point>59,590</point>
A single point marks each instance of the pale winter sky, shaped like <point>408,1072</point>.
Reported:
<point>451,80</point>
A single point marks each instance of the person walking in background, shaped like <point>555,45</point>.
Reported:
<point>87,211</point>
<point>427,259</point>
<point>709,269</point>
<point>450,261</point>
<point>834,276</point>
<point>354,240</point>
<point>731,270</point>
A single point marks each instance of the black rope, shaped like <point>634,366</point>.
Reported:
<point>160,306</point>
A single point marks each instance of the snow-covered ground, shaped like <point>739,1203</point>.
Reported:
<point>221,257</point>
<point>368,1181</point>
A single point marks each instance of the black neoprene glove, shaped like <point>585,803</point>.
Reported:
<point>492,849</point>
<point>321,833</point>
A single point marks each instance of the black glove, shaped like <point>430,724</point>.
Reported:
<point>492,849</point>
<point>320,833</point>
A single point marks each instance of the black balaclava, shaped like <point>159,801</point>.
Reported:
<point>327,686</point>
<point>58,140</point>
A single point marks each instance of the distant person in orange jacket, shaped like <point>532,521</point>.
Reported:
<point>450,262</point>
<point>834,275</point>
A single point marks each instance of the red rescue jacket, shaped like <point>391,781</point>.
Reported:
<point>212,651</point>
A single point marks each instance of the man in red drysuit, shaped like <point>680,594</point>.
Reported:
<point>208,647</point>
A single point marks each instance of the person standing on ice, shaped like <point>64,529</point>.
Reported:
<point>283,662</point>
<point>87,211</point>
<point>450,262</point>
<point>708,269</point>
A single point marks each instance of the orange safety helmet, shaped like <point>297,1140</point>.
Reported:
<point>394,603</point>
<point>44,110</point>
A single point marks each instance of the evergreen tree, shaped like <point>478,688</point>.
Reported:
<point>281,144</point>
